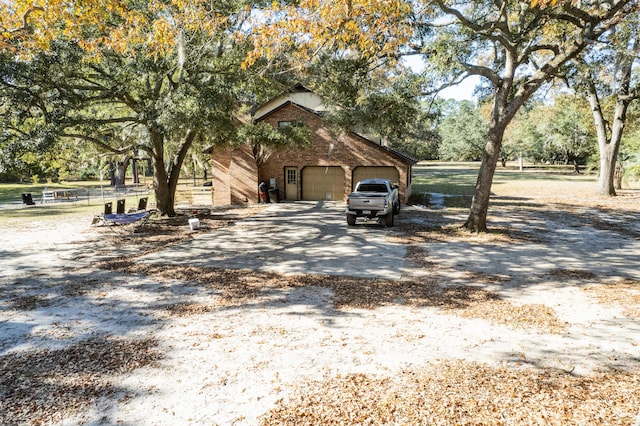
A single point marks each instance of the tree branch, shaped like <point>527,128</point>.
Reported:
<point>25,19</point>
<point>98,142</point>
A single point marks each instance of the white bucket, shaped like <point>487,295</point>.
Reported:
<point>194,224</point>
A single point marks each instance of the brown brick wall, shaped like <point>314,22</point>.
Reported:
<point>234,176</point>
<point>345,150</point>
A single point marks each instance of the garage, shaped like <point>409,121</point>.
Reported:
<point>381,172</point>
<point>323,183</point>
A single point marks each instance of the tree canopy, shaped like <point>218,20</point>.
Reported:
<point>176,72</point>
<point>515,46</point>
<point>154,77</point>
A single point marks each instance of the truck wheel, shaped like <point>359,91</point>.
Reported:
<point>396,209</point>
<point>388,219</point>
<point>351,220</point>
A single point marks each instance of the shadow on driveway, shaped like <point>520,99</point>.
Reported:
<point>293,238</point>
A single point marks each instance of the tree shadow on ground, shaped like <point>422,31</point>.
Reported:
<point>46,385</point>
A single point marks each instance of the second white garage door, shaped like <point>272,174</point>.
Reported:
<point>323,183</point>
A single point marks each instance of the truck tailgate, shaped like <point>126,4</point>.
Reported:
<point>366,201</point>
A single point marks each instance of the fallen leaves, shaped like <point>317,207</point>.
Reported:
<point>28,302</point>
<point>520,316</point>
<point>575,274</point>
<point>240,287</point>
<point>43,386</point>
<point>624,293</point>
<point>189,309</point>
<point>459,392</point>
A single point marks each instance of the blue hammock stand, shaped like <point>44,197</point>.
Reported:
<point>120,218</point>
<point>125,218</point>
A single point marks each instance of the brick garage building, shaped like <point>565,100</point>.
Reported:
<point>326,169</point>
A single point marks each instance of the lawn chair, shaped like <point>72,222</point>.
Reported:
<point>28,199</point>
<point>108,209</point>
<point>120,207</point>
<point>142,206</point>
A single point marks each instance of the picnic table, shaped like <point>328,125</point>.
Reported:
<point>59,194</point>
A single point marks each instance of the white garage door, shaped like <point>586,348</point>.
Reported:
<point>381,172</point>
<point>323,183</point>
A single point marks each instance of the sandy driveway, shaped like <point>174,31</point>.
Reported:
<point>180,335</point>
<point>294,238</point>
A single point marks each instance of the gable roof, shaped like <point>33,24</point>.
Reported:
<point>407,159</point>
<point>298,94</point>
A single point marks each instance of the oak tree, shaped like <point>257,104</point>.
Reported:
<point>515,46</point>
<point>159,76</point>
<point>606,74</point>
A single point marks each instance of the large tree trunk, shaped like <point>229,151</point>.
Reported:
<point>617,175</point>
<point>165,183</point>
<point>608,143</point>
<point>112,173</point>
<point>134,171</point>
<point>164,198</point>
<point>121,171</point>
<point>501,114</point>
<point>608,156</point>
<point>477,220</point>
<point>609,139</point>
<point>176,164</point>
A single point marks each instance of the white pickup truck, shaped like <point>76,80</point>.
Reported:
<point>373,198</point>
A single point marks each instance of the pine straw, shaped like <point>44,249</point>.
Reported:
<point>463,393</point>
<point>44,386</point>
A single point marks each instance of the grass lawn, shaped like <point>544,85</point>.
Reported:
<point>11,192</point>
<point>556,183</point>
<point>90,202</point>
<point>550,182</point>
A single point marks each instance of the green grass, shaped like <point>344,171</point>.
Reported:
<point>445,178</point>
<point>533,181</point>
<point>50,211</point>
<point>11,192</point>
<point>91,202</point>
<point>460,178</point>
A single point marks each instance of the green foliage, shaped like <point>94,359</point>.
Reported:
<point>157,102</point>
<point>524,137</point>
<point>463,132</point>
<point>266,135</point>
<point>629,155</point>
<point>569,136</point>
<point>379,102</point>
<point>556,133</point>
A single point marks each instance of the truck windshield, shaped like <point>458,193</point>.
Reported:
<point>372,187</point>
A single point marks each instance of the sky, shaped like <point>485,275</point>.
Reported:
<point>462,91</point>
<point>459,92</point>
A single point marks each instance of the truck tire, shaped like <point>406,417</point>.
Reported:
<point>351,220</point>
<point>396,208</point>
<point>388,219</point>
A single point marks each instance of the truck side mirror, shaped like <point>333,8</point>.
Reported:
<point>394,186</point>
